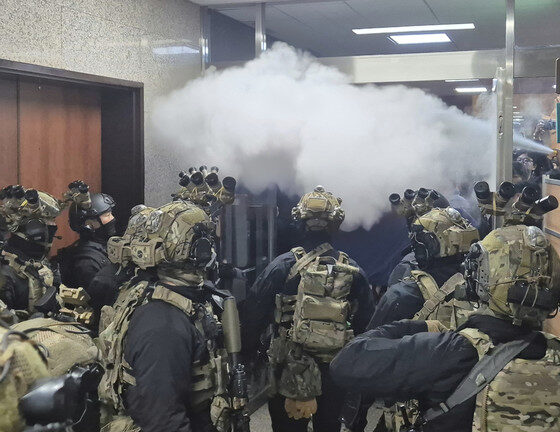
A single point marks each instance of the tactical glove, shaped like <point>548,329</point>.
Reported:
<point>435,326</point>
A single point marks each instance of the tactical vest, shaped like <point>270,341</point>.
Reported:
<point>69,259</point>
<point>524,396</point>
<point>208,379</point>
<point>20,366</point>
<point>66,343</point>
<point>38,275</point>
<point>451,313</point>
<point>312,326</point>
<point>321,309</point>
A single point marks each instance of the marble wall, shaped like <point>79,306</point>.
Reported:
<point>114,38</point>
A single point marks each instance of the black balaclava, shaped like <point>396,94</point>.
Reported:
<point>103,233</point>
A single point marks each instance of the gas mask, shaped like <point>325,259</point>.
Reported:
<point>425,246</point>
<point>202,249</point>
<point>34,238</point>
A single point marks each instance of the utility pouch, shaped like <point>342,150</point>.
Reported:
<point>300,378</point>
<point>321,338</point>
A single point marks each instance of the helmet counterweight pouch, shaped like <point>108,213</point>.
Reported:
<point>146,253</point>
<point>118,250</point>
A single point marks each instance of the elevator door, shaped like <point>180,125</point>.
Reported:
<point>57,140</point>
<point>8,132</point>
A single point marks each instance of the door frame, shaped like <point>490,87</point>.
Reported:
<point>123,135</point>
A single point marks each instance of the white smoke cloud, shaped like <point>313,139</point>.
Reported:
<point>285,119</point>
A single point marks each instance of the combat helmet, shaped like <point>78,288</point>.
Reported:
<point>441,233</point>
<point>178,234</point>
<point>29,213</point>
<point>516,272</point>
<point>78,215</point>
<point>319,210</point>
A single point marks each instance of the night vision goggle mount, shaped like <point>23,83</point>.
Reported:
<point>204,188</point>
<point>526,208</point>
<point>78,193</point>
<point>20,204</point>
<point>414,203</point>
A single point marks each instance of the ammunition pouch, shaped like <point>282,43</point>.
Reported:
<point>75,304</point>
<point>321,338</point>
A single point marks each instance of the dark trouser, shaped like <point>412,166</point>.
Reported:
<point>326,417</point>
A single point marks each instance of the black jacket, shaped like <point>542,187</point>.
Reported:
<point>85,264</point>
<point>403,298</point>
<point>402,361</point>
<point>259,306</point>
<point>161,346</point>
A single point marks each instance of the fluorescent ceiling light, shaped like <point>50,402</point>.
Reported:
<point>174,50</point>
<point>471,89</point>
<point>462,80</point>
<point>410,29</point>
<point>420,38</point>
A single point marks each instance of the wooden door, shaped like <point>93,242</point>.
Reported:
<point>59,141</point>
<point>8,132</point>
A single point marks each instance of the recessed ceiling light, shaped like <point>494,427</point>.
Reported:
<point>471,89</point>
<point>409,29</point>
<point>420,38</point>
<point>462,80</point>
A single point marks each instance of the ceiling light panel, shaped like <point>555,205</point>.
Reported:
<point>471,89</point>
<point>420,38</point>
<point>411,29</point>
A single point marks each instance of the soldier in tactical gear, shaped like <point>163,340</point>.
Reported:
<point>24,266</point>
<point>497,371</point>
<point>21,364</point>
<point>85,263</point>
<point>440,239</point>
<point>57,313</point>
<point>166,365</point>
<point>312,297</point>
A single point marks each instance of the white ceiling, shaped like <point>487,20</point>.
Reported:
<point>325,27</point>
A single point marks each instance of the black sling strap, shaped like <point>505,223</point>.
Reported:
<point>480,375</point>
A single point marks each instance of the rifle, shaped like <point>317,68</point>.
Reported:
<point>238,381</point>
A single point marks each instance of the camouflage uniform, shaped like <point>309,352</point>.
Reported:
<point>21,364</point>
